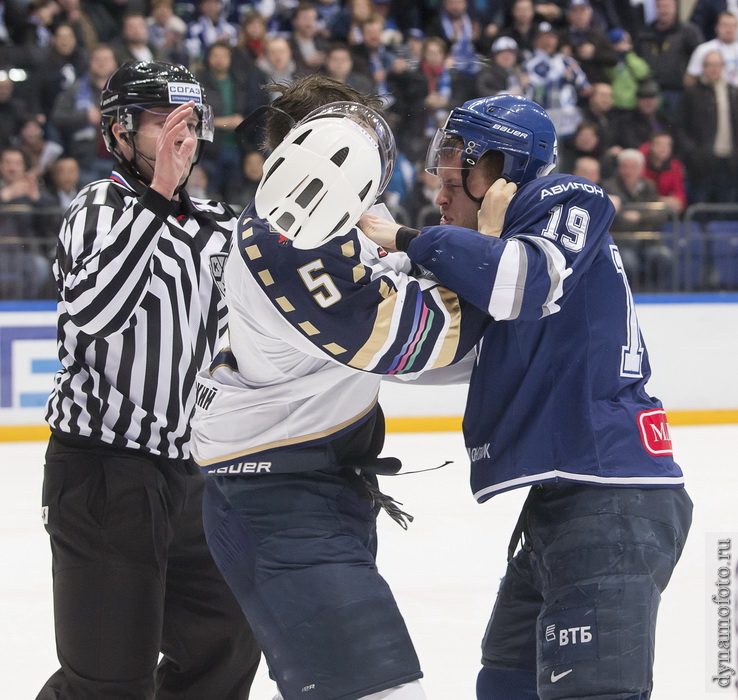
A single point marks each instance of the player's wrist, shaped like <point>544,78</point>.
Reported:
<point>161,188</point>
<point>404,237</point>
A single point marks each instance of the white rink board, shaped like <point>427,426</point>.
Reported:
<point>692,345</point>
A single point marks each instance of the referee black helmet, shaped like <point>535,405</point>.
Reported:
<point>139,86</point>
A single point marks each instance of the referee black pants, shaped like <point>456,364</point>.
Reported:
<point>133,578</point>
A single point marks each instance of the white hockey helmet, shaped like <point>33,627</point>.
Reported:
<point>327,172</point>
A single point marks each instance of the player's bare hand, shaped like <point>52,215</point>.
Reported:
<point>381,231</point>
<point>175,148</point>
<point>491,216</point>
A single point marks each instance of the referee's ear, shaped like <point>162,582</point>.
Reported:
<point>124,140</point>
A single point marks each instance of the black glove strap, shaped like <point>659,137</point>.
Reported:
<point>404,235</point>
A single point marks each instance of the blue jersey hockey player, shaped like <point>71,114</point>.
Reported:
<point>557,402</point>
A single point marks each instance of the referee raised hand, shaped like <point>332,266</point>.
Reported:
<point>139,313</point>
<point>175,149</point>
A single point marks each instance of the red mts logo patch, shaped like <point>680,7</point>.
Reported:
<point>655,434</point>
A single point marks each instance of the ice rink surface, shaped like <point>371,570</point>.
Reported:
<point>444,570</point>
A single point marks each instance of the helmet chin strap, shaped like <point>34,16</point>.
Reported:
<point>465,170</point>
<point>464,177</point>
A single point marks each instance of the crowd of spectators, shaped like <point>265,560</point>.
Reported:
<point>645,102</point>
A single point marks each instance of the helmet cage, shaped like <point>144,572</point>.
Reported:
<point>326,173</point>
<point>372,124</point>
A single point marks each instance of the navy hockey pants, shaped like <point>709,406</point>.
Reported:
<point>133,577</point>
<point>577,606</point>
<point>298,550</point>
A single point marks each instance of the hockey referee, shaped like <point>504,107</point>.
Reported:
<point>139,313</point>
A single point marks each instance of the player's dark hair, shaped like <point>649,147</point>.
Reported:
<point>302,97</point>
<point>491,164</point>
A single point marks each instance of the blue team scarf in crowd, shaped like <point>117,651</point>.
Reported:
<point>462,48</point>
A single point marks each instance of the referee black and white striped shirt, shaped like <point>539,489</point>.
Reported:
<point>139,313</point>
